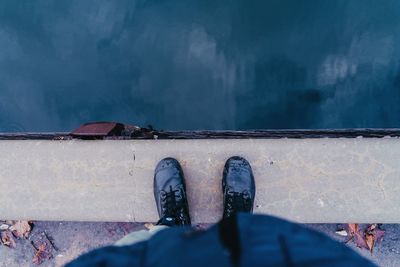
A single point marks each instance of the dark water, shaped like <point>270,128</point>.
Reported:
<point>199,64</point>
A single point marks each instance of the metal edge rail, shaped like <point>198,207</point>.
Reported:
<point>148,134</point>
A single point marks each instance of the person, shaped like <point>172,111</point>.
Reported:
<point>239,239</point>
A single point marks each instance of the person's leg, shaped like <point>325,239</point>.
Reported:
<point>171,201</point>
<point>238,187</point>
<point>139,236</point>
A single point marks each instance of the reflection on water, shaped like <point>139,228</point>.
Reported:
<point>199,64</point>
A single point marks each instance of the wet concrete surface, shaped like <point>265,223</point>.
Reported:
<point>71,239</point>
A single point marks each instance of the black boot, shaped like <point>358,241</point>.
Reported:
<point>170,193</point>
<point>238,186</point>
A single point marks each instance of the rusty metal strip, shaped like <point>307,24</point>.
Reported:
<point>117,131</point>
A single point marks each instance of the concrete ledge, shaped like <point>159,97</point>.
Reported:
<point>305,180</point>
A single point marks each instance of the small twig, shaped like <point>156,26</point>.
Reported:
<point>34,246</point>
<point>51,241</point>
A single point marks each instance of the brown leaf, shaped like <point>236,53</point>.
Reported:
<point>370,241</point>
<point>21,229</point>
<point>371,227</point>
<point>148,226</point>
<point>374,229</point>
<point>41,254</point>
<point>352,228</point>
<point>355,234</point>
<point>7,239</point>
<point>373,235</point>
<point>379,233</point>
<point>360,241</point>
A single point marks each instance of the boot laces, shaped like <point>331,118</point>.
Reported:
<point>170,202</point>
<point>237,202</point>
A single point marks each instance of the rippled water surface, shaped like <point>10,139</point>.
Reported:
<point>199,64</point>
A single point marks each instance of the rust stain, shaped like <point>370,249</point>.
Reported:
<point>98,129</point>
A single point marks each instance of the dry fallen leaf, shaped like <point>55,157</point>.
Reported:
<point>365,239</point>
<point>360,241</point>
<point>370,241</point>
<point>148,226</point>
<point>7,239</point>
<point>373,234</point>
<point>21,229</point>
<point>41,254</point>
<point>355,235</point>
<point>352,228</point>
<point>371,227</point>
<point>379,233</point>
<point>376,231</point>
